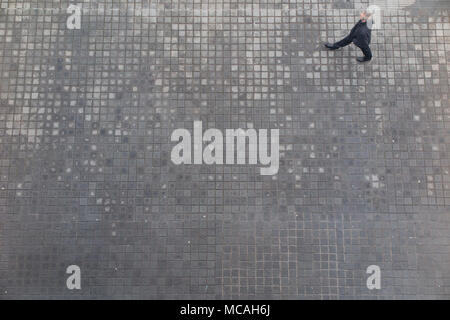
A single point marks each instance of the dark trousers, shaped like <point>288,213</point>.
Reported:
<point>349,39</point>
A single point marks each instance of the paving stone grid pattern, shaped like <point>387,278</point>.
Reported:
<point>85,171</point>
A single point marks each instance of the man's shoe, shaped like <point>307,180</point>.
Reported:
<point>362,59</point>
<point>331,46</point>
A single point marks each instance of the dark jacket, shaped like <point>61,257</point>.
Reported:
<point>361,34</point>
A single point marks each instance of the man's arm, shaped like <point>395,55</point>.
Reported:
<point>352,32</point>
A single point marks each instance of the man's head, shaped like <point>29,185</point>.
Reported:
<point>365,15</point>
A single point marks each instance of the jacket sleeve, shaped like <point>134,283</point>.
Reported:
<point>352,32</point>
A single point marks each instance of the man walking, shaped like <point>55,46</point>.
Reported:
<point>360,36</point>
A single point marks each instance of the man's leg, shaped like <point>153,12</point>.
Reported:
<point>344,42</point>
<point>367,54</point>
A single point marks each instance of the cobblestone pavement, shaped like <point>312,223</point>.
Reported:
<point>86,176</point>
